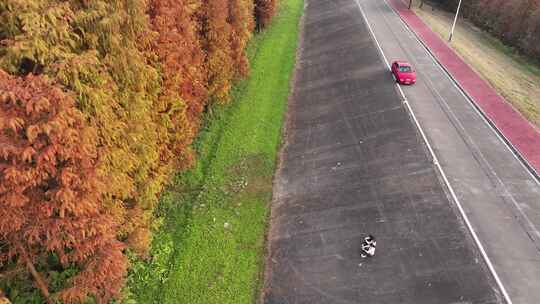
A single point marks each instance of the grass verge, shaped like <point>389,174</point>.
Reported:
<point>513,76</point>
<point>210,246</point>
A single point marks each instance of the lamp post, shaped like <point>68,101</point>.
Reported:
<point>454,24</point>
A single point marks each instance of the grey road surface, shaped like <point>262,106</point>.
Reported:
<point>500,197</point>
<point>354,164</point>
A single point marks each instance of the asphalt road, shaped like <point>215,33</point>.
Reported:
<point>354,164</point>
<point>500,197</point>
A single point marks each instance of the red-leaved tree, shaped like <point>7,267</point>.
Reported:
<point>181,59</point>
<point>50,193</point>
<point>264,11</point>
<point>242,24</point>
<point>216,35</point>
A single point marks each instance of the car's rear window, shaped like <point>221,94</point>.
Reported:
<point>405,69</point>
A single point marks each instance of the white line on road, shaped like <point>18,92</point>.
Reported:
<point>437,164</point>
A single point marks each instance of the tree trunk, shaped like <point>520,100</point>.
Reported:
<point>42,286</point>
<point>410,3</point>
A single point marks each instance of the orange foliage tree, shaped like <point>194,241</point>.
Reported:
<point>50,192</point>
<point>216,35</point>
<point>181,61</point>
<point>242,24</point>
<point>140,74</point>
<point>264,11</point>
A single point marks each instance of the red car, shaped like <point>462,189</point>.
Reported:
<point>403,72</point>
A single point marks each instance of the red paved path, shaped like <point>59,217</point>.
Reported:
<point>517,130</point>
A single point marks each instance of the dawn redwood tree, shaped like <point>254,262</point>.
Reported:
<point>99,50</point>
<point>184,94</point>
<point>264,11</point>
<point>216,36</point>
<point>242,22</point>
<point>139,74</point>
<point>50,191</point>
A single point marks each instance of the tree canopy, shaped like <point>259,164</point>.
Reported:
<point>100,102</point>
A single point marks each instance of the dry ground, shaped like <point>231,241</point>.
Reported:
<point>514,77</point>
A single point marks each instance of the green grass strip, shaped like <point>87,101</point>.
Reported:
<point>210,248</point>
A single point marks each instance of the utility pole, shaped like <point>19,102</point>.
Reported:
<point>455,20</point>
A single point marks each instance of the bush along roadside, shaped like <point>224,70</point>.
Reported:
<point>210,247</point>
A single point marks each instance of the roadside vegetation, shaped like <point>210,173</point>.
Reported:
<point>100,103</point>
<point>211,246</point>
<point>513,75</point>
<point>514,22</point>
